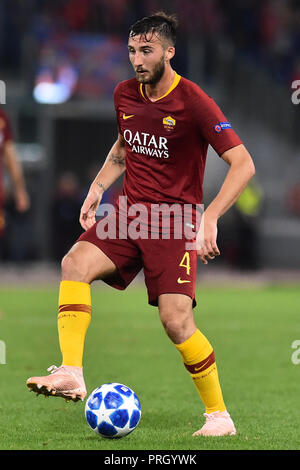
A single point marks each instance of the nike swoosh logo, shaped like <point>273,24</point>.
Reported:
<point>203,366</point>
<point>182,281</point>
<point>127,117</point>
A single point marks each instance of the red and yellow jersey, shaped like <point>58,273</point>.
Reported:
<point>5,136</point>
<point>167,140</point>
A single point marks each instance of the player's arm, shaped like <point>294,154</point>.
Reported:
<point>16,174</point>
<point>112,169</point>
<point>240,172</point>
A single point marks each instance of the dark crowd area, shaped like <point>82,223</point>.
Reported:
<point>265,31</point>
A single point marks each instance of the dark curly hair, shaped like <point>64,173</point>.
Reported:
<point>160,23</point>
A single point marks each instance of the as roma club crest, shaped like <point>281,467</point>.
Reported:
<point>169,123</point>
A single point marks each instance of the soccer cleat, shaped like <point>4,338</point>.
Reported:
<point>64,381</point>
<point>217,424</point>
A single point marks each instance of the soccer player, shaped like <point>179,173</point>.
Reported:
<point>9,156</point>
<point>165,124</point>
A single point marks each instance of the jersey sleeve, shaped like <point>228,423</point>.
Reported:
<point>212,123</point>
<point>117,92</point>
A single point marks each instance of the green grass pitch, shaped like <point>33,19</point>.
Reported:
<point>252,331</point>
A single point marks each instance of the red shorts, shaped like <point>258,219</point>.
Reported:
<point>168,266</point>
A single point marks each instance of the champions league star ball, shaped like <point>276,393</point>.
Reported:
<point>113,410</point>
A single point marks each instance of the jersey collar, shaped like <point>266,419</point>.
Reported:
<point>174,85</point>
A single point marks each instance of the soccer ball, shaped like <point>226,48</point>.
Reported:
<point>113,410</point>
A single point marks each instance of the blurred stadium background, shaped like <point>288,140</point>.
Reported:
<point>60,61</point>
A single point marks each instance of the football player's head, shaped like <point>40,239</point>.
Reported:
<point>151,46</point>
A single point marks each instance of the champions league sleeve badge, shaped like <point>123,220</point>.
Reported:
<point>222,126</point>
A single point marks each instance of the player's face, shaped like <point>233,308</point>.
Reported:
<point>148,58</point>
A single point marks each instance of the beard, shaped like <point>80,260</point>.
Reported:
<point>156,75</point>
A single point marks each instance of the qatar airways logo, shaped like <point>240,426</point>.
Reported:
<point>147,144</point>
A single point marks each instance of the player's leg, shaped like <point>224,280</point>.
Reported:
<point>176,313</point>
<point>114,260</point>
<point>177,317</point>
<point>84,263</point>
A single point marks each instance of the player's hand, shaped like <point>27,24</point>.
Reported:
<point>22,200</point>
<point>206,241</point>
<point>89,208</point>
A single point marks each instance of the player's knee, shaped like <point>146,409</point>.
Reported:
<point>74,268</point>
<point>178,323</point>
<point>172,326</point>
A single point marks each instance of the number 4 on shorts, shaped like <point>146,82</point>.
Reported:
<point>185,262</point>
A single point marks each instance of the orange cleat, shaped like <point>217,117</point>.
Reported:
<point>64,381</point>
<point>217,424</point>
